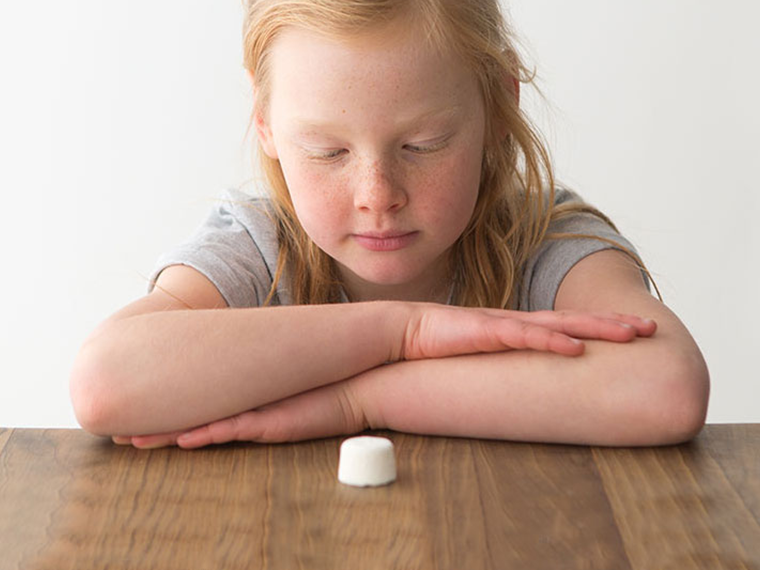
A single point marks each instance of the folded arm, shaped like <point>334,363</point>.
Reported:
<point>638,393</point>
<point>157,367</point>
<point>652,390</point>
<point>648,391</point>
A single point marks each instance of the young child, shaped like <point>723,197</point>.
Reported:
<point>413,267</point>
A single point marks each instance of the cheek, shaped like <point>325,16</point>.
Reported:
<point>453,191</point>
<point>314,199</point>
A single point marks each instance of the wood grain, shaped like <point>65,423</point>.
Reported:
<point>677,508</point>
<point>516,505</point>
<point>736,448</point>
<point>71,500</point>
<point>167,508</point>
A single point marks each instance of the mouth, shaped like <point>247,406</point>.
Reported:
<point>385,241</point>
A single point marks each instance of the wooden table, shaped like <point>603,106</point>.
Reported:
<point>72,500</point>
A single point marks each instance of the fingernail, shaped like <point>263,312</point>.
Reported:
<point>153,445</point>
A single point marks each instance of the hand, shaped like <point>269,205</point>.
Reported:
<point>436,331</point>
<point>323,412</point>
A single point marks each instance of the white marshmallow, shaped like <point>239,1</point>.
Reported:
<point>367,461</point>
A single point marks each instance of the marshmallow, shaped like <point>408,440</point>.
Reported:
<point>367,461</point>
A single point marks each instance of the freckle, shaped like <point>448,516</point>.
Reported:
<point>344,111</point>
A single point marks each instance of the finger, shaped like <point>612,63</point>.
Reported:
<point>322,412</point>
<point>603,325</point>
<point>155,440</point>
<point>584,325</point>
<point>193,439</point>
<point>122,439</point>
<point>519,334</point>
<point>643,326</point>
<point>239,427</point>
<point>591,327</point>
<point>563,344</point>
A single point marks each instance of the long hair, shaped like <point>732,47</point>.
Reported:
<point>515,203</point>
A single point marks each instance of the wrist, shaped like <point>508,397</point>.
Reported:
<point>368,392</point>
<point>396,316</point>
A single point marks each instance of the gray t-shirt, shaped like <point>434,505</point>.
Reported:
<point>236,249</point>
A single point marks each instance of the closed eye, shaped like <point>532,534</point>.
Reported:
<point>424,149</point>
<point>418,149</point>
<point>326,155</point>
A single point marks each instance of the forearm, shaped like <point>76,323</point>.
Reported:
<point>637,393</point>
<point>171,370</point>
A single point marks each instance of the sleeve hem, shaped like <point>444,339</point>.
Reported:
<point>232,298</point>
<point>595,247</point>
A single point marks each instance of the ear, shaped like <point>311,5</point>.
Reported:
<point>263,130</point>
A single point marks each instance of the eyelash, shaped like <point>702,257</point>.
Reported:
<point>417,149</point>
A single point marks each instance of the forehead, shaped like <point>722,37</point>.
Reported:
<point>385,75</point>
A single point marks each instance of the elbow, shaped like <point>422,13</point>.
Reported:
<point>683,402</point>
<point>91,398</point>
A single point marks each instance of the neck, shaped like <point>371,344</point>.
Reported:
<point>434,288</point>
<point>439,294</point>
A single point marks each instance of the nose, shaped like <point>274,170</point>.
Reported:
<point>379,188</point>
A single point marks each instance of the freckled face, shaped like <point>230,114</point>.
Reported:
<point>380,142</point>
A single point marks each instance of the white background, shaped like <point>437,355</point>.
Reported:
<point>121,122</point>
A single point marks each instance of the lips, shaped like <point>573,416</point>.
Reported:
<point>385,241</point>
<point>384,235</point>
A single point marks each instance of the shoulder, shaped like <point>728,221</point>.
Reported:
<point>249,210</point>
<point>572,236</point>
<point>253,216</point>
<point>563,195</point>
<point>608,279</point>
<point>235,247</point>
<point>602,275</point>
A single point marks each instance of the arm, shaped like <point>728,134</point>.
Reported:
<point>167,370</point>
<point>651,391</point>
<point>615,394</point>
<point>646,392</point>
<point>157,367</point>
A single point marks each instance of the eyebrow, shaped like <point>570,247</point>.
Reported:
<point>304,123</point>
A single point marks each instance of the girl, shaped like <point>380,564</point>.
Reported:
<point>413,268</point>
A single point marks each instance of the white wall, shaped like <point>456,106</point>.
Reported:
<point>119,122</point>
<point>655,122</point>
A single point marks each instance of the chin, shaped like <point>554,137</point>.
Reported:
<point>389,279</point>
<point>390,274</point>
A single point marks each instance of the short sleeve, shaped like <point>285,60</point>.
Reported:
<point>235,248</point>
<point>549,265</point>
